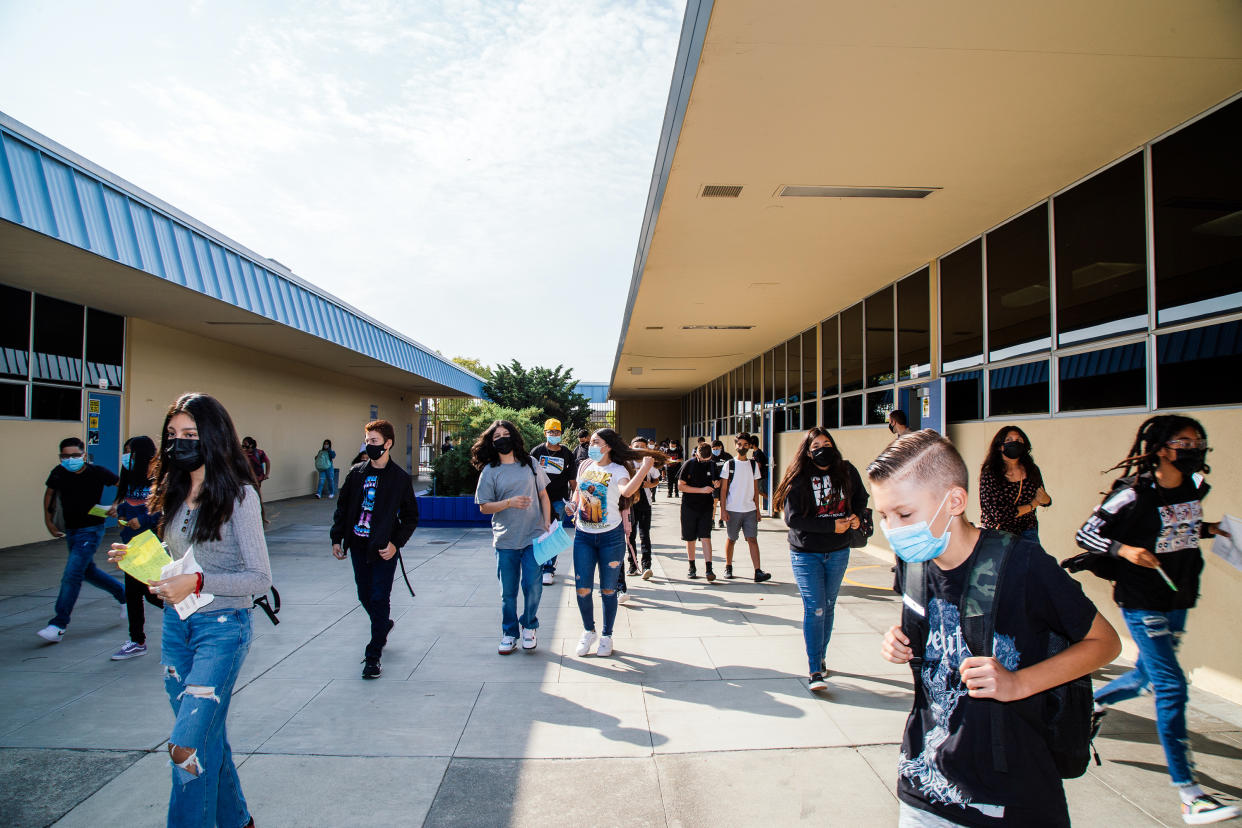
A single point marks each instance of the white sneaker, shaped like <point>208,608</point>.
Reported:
<point>508,644</point>
<point>528,640</point>
<point>623,598</point>
<point>548,578</point>
<point>605,646</point>
<point>51,634</point>
<point>584,643</point>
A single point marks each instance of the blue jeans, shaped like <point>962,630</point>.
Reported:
<point>558,510</point>
<point>83,543</point>
<point>605,550</point>
<point>202,657</point>
<point>819,577</point>
<point>1031,535</point>
<point>514,566</point>
<point>327,480</point>
<point>1157,635</point>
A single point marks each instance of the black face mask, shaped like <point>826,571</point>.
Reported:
<point>374,452</point>
<point>825,455</point>
<point>184,455</point>
<point>504,445</point>
<point>1013,449</point>
<point>891,430</point>
<point>1189,461</point>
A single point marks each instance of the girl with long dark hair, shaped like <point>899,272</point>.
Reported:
<point>605,484</point>
<point>822,497</point>
<point>1150,528</point>
<point>132,492</point>
<point>205,490</point>
<point>1011,486</point>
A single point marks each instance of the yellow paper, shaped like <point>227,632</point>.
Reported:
<point>146,557</point>
<point>99,511</point>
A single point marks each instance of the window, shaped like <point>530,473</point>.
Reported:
<point>1102,255</point>
<point>914,326</point>
<point>880,353</point>
<point>793,369</point>
<point>852,348</point>
<point>1109,378</point>
<point>831,418</point>
<point>793,418</point>
<point>879,403</point>
<point>810,366</point>
<point>961,307</point>
<point>1019,312</point>
<point>830,366</point>
<point>15,335</point>
<point>57,342</point>
<point>852,410</point>
<point>1199,366</point>
<point>1197,212</point>
<point>780,379</point>
<point>12,399</point>
<point>1018,389</point>
<point>768,360</point>
<point>808,415</point>
<point>49,402</point>
<point>963,395</point>
<point>105,348</point>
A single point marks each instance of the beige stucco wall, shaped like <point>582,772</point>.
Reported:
<point>662,415</point>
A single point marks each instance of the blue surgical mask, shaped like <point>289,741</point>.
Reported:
<point>554,439</point>
<point>715,452</point>
<point>73,464</point>
<point>915,543</point>
<point>126,460</point>
<point>595,453</point>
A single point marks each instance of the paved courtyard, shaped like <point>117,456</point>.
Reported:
<point>700,718</point>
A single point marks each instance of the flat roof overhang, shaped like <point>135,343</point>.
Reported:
<point>997,105</point>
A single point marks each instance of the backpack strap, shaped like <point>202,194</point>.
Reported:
<point>978,618</point>
<point>914,611</point>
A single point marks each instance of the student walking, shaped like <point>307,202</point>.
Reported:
<point>673,469</point>
<point>719,458</point>
<point>971,754</point>
<point>78,485</point>
<point>375,516</point>
<point>559,465</point>
<point>1011,485</point>
<point>639,541</point>
<point>1146,538</point>
<point>739,502</point>
<point>822,497</point>
<point>898,424</point>
<point>327,474</point>
<point>203,490</point>
<point>605,485</point>
<point>132,493</point>
<point>696,481</point>
<point>582,452</point>
<point>260,464</point>
<point>513,490</point>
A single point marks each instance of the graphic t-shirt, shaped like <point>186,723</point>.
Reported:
<point>369,484</point>
<point>513,528</point>
<point>1169,522</point>
<point>559,465</point>
<point>741,484</point>
<point>599,495</point>
<point>79,491</point>
<point>697,474</point>
<point>946,765</point>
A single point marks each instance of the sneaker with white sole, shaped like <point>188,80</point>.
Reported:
<point>1204,809</point>
<point>817,683</point>
<point>623,597</point>
<point>508,644</point>
<point>548,578</point>
<point>584,643</point>
<point>129,650</point>
<point>647,573</point>
<point>605,646</point>
<point>529,640</point>
<point>51,634</point>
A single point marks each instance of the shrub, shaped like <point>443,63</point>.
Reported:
<point>451,473</point>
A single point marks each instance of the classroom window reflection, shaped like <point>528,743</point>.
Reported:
<point>1200,366</point>
<point>852,348</point>
<point>914,326</point>
<point>1019,292</point>
<point>1108,378</point>
<point>961,307</point>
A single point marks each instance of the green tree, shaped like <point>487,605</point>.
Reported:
<point>451,473</point>
<point>471,364</point>
<point>551,390</point>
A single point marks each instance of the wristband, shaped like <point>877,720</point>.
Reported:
<point>199,588</point>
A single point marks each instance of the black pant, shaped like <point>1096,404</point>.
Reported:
<point>374,575</point>
<point>135,592</point>
<point>640,528</point>
<point>671,471</point>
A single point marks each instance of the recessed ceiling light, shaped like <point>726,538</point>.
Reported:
<point>653,388</point>
<point>655,327</point>
<point>796,191</point>
<point>762,284</point>
<point>716,327</point>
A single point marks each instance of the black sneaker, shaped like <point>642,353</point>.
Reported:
<point>711,576</point>
<point>728,570</point>
<point>761,576</point>
<point>693,573</point>
<point>371,668</point>
<point>817,683</point>
<point>1097,719</point>
<point>631,570</point>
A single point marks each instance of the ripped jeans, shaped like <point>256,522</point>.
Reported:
<point>604,550</point>
<point>1157,636</point>
<point>202,657</point>
<point>819,576</point>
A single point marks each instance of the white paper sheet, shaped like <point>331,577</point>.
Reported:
<point>186,565</point>
<point>1230,549</point>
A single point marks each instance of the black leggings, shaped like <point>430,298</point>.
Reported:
<point>135,592</point>
<point>671,471</point>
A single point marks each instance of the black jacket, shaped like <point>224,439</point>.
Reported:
<point>812,526</point>
<point>394,517</point>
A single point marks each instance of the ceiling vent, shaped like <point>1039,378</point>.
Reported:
<point>716,327</point>
<point>721,191</point>
<point>855,192</point>
<point>636,370</point>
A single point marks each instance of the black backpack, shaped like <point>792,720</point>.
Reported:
<point>1067,708</point>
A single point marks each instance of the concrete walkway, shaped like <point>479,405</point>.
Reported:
<point>701,717</point>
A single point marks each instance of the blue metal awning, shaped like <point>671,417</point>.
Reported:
<point>1117,360</point>
<point>1200,343</point>
<point>1015,376</point>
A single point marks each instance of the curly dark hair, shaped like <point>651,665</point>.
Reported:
<point>483,452</point>
<point>994,463</point>
<point>1152,436</point>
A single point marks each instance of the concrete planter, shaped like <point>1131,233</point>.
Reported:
<point>459,510</point>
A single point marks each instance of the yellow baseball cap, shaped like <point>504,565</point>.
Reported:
<point>552,425</point>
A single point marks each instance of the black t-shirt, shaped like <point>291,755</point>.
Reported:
<point>762,459</point>
<point>946,764</point>
<point>79,491</point>
<point>1169,523</point>
<point>559,465</point>
<point>697,474</point>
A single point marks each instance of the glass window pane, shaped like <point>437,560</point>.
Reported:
<point>756,390</point>
<point>1019,312</point>
<point>963,397</point>
<point>914,326</point>
<point>880,337</point>
<point>793,418</point>
<point>1109,378</point>
<point>831,418</point>
<point>12,399</point>
<point>1197,200</point>
<point>961,307</point>
<point>768,366</point>
<point>852,348</point>
<point>879,403</point>
<point>14,335</point>
<point>828,355</point>
<point>793,369</point>
<point>808,415</point>
<point>1102,255</point>
<point>1200,366</point>
<point>105,348</point>
<point>1018,389</point>
<point>852,410</point>
<point>778,420</point>
<point>780,390</point>
<point>57,341</point>
<point>49,402</point>
<point>810,365</point>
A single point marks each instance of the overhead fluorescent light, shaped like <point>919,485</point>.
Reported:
<point>802,191</point>
<point>672,369</point>
<point>762,284</point>
<point>721,191</point>
<point>1097,272</point>
<point>653,388</point>
<point>655,327</point>
<point>716,327</point>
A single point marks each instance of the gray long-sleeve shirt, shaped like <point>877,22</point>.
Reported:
<point>236,567</point>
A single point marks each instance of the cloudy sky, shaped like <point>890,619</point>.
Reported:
<point>471,172</point>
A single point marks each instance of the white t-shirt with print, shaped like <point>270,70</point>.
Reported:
<point>599,496</point>
<point>741,484</point>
